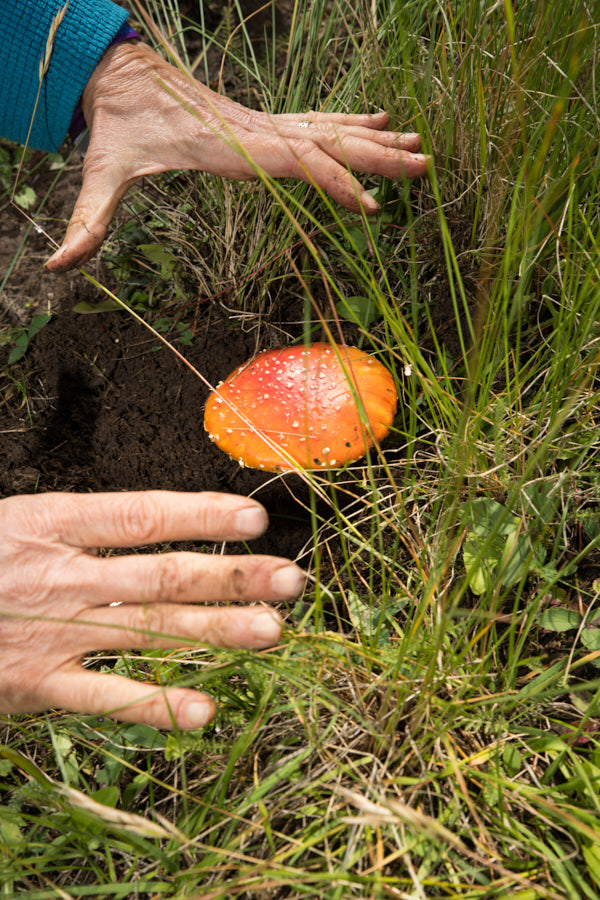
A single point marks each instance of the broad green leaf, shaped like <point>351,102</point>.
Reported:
<point>590,638</point>
<point>142,736</point>
<point>85,308</point>
<point>541,500</point>
<point>25,198</point>
<point>485,515</point>
<point>37,323</point>
<point>11,835</point>
<point>559,618</point>
<point>512,759</point>
<point>516,558</point>
<point>107,796</point>
<point>160,256</point>
<point>496,549</point>
<point>367,618</point>
<point>56,162</point>
<point>19,349</point>
<point>25,337</point>
<point>362,310</point>
<point>481,555</point>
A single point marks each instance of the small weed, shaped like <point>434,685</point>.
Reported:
<point>498,548</point>
<point>12,158</point>
<point>21,338</point>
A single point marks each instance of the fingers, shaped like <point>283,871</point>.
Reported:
<point>324,157</point>
<point>91,693</point>
<point>305,128</point>
<point>366,156</point>
<point>168,625</point>
<point>282,158</point>
<point>135,518</point>
<point>188,578</point>
<point>374,121</point>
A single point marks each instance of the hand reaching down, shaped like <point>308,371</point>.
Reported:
<point>56,596</point>
<point>146,116</point>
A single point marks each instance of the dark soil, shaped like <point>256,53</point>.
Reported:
<point>99,404</point>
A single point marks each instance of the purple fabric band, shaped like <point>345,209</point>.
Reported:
<point>126,33</point>
<point>78,123</point>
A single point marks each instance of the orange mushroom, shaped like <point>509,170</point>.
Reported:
<point>299,406</point>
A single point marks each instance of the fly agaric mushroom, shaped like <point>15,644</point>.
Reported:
<point>299,406</point>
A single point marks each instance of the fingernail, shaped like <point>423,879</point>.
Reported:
<point>287,582</point>
<point>198,714</point>
<point>251,521</point>
<point>369,203</point>
<point>56,260</point>
<point>266,628</point>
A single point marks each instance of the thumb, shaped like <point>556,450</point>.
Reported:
<point>102,190</point>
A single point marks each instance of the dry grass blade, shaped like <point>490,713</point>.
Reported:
<point>118,818</point>
<point>393,810</point>
<point>56,23</point>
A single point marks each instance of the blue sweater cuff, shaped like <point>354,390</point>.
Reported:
<point>85,32</point>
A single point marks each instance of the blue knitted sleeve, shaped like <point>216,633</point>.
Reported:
<point>82,37</point>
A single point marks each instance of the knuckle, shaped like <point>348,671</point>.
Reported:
<point>140,518</point>
<point>16,692</point>
<point>169,579</point>
<point>158,621</point>
<point>304,149</point>
<point>39,514</point>
<point>32,584</point>
<point>18,636</point>
<point>21,677</point>
<point>151,710</point>
<point>153,623</point>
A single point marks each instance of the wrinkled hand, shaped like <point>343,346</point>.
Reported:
<point>146,116</point>
<point>56,596</point>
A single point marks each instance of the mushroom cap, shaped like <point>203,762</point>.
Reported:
<point>299,407</point>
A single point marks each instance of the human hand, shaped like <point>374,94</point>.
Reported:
<point>56,596</point>
<point>146,116</point>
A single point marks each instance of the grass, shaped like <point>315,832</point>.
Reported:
<point>427,729</point>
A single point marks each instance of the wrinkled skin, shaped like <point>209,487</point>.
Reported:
<point>146,116</point>
<point>55,596</point>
